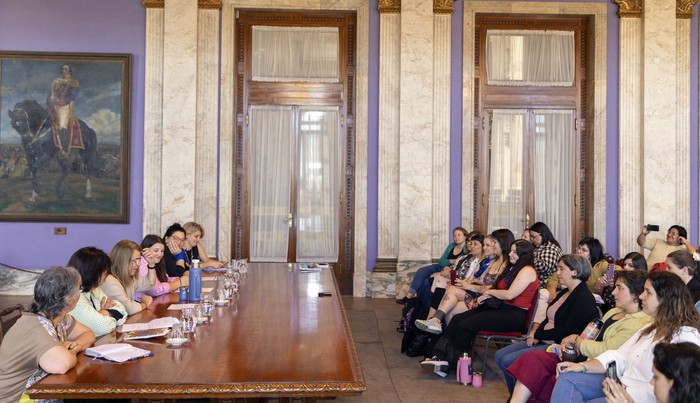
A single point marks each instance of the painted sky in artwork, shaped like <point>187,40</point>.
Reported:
<point>98,103</point>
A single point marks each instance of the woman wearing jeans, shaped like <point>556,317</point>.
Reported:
<point>420,286</point>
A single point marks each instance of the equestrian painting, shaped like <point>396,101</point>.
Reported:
<point>64,137</point>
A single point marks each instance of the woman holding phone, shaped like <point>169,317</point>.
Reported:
<point>660,248</point>
<point>668,301</point>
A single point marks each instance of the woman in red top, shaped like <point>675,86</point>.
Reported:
<point>503,308</point>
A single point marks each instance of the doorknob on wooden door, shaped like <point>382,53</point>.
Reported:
<point>289,220</point>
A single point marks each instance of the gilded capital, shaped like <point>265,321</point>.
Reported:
<point>154,3</point>
<point>209,4</point>
<point>389,6</point>
<point>684,9</point>
<point>630,8</point>
<point>443,6</point>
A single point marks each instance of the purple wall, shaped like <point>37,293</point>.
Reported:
<point>100,26</point>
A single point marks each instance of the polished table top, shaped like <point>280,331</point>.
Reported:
<point>278,338</point>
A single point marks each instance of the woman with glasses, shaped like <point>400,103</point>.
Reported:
<point>124,281</point>
<point>591,249</point>
<point>547,253</point>
<point>175,254</point>
<point>45,340</point>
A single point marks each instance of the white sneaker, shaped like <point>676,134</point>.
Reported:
<point>429,325</point>
<point>439,366</point>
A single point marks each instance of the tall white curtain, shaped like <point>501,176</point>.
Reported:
<point>533,58</point>
<point>317,184</point>
<point>305,54</point>
<point>270,134</point>
<point>554,153</point>
<point>506,199</point>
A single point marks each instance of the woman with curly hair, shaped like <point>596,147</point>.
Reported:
<point>668,301</point>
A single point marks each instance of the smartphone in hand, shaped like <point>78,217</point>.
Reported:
<point>652,227</point>
<point>611,372</point>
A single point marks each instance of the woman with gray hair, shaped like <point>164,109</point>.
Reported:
<point>45,340</point>
<point>568,313</point>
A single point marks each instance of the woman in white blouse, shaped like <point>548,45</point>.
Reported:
<point>94,309</point>
<point>668,301</point>
<point>124,281</point>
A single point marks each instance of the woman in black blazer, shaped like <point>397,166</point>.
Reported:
<point>568,313</point>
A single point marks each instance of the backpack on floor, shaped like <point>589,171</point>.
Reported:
<point>415,342</point>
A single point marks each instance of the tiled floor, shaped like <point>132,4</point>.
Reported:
<point>393,377</point>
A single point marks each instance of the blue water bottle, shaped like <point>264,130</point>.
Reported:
<point>195,281</point>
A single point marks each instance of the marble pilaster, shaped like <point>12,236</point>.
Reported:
<point>153,123</point>
<point>415,155</point>
<point>630,143</point>
<point>659,99</point>
<point>598,14</point>
<point>228,88</point>
<point>179,111</point>
<point>389,135</point>
<point>683,121</point>
<point>442,59</point>
<point>207,139</point>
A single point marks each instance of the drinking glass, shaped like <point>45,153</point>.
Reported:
<point>207,305</point>
<point>189,320</point>
<point>220,295</point>
<point>177,332</point>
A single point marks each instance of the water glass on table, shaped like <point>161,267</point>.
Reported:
<point>207,304</point>
<point>189,320</point>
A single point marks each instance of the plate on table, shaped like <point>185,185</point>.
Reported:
<point>220,302</point>
<point>202,320</point>
<point>177,341</point>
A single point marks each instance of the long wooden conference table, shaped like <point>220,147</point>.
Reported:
<point>278,338</point>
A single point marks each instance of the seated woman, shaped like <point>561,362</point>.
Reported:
<point>591,249</point>
<point>123,281</point>
<point>535,371</point>
<point>174,255</point>
<point>94,309</point>
<point>502,308</point>
<point>660,248</point>
<point>568,313</point>
<point>45,340</point>
<point>153,249</point>
<point>420,286</point>
<point>194,248</point>
<point>468,290</point>
<point>547,252</point>
<point>683,264</point>
<point>668,301</point>
<point>676,379</point>
<point>631,261</point>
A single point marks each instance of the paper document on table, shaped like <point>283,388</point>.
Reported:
<point>179,307</point>
<point>209,279</point>
<point>146,333</point>
<point>118,352</point>
<point>159,323</point>
<point>313,266</point>
<point>208,289</point>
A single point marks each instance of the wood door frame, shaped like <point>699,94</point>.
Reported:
<point>340,94</point>
<point>531,98</point>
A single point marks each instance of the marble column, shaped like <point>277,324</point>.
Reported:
<point>442,60</point>
<point>630,129</point>
<point>179,111</point>
<point>683,121</point>
<point>416,126</point>
<point>153,120</point>
<point>660,146</point>
<point>207,136</point>
<point>389,134</point>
